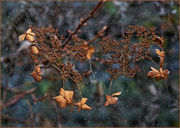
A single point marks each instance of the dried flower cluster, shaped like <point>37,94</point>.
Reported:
<point>49,48</point>
<point>127,54</point>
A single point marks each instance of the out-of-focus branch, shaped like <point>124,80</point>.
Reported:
<point>16,98</point>
<point>83,22</point>
<point>31,113</point>
<point>13,119</point>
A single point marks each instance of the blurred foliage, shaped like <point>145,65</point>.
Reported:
<point>143,102</point>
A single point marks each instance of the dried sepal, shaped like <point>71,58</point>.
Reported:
<point>90,50</point>
<point>158,74</point>
<point>161,55</point>
<point>111,100</point>
<point>22,37</point>
<point>36,74</point>
<point>160,40</point>
<point>82,104</point>
<point>34,50</point>
<point>65,98</point>
<point>28,35</point>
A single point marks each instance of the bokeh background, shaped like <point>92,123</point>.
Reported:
<point>143,102</point>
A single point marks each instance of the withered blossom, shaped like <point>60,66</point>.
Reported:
<point>82,104</point>
<point>65,98</point>
<point>158,74</point>
<point>28,35</point>
<point>36,74</point>
<point>112,100</point>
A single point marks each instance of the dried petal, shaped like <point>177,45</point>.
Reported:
<point>91,49</point>
<point>86,107</point>
<point>116,94</point>
<point>29,38</point>
<point>28,31</point>
<point>58,98</point>
<point>34,50</point>
<point>113,100</point>
<point>89,55</point>
<point>155,70</point>
<point>22,37</point>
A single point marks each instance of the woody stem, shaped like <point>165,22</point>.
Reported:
<point>160,47</point>
<point>82,22</point>
<point>154,63</point>
<point>110,87</point>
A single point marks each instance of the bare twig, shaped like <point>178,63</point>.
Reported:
<point>13,119</point>
<point>16,98</point>
<point>82,22</point>
<point>31,113</point>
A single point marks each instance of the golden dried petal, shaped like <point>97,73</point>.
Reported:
<point>68,94</point>
<point>32,34</point>
<point>85,47</point>
<point>38,78</point>
<point>22,37</point>
<point>63,103</point>
<point>28,31</point>
<point>113,100</point>
<point>83,100</point>
<point>78,104</point>
<point>155,70</point>
<point>34,50</point>
<point>86,107</point>
<point>91,49</point>
<point>107,97</point>
<point>79,108</point>
<point>29,38</point>
<point>116,94</point>
<point>89,55</point>
<point>33,74</point>
<point>107,102</point>
<point>166,74</point>
<point>69,100</point>
<point>38,70</point>
<point>62,92</point>
<point>58,98</point>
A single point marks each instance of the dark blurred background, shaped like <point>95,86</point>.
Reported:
<point>143,102</point>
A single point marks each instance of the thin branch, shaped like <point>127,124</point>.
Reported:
<point>82,22</point>
<point>110,87</point>
<point>16,98</point>
<point>31,113</point>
